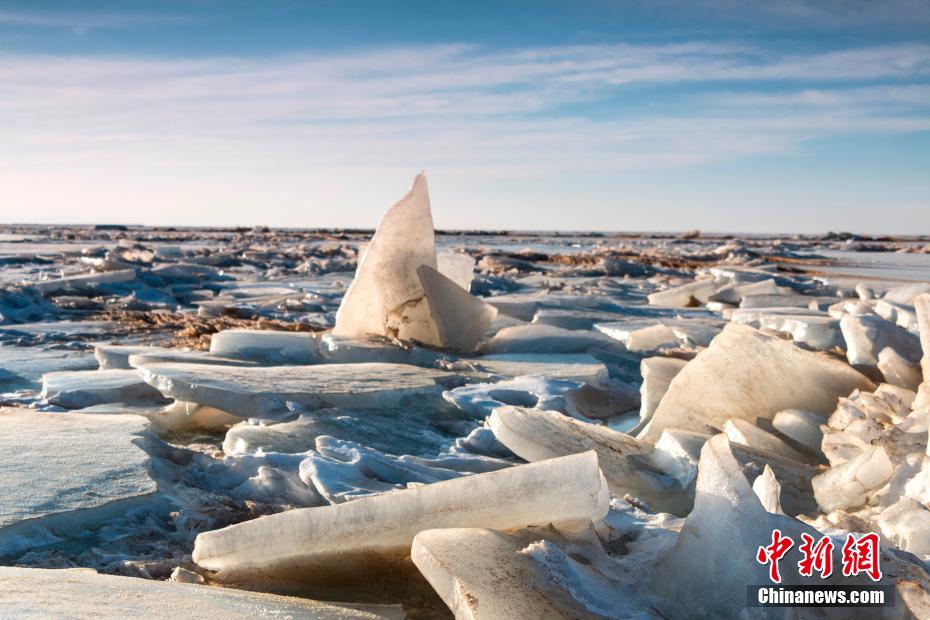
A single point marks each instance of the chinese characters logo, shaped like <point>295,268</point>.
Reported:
<point>859,555</point>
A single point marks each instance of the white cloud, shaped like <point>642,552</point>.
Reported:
<point>81,23</point>
<point>490,115</point>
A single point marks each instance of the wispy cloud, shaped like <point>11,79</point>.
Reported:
<point>80,23</point>
<point>489,114</point>
<point>465,91</point>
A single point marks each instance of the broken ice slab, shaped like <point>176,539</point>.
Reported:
<point>867,335</point>
<point>570,366</point>
<point>521,307</point>
<point>745,374</point>
<point>736,292</point>
<point>536,338</point>
<point>657,373</point>
<point>715,554</point>
<point>84,594</point>
<point>639,335</point>
<point>677,454</point>
<point>900,314</point>
<point>479,400</point>
<point>404,430</point>
<point>345,538</point>
<point>922,309</point>
<point>344,470</point>
<point>905,294</point>
<point>747,434</point>
<point>768,490</point>
<point>116,357</point>
<point>849,484</point>
<point>571,319</point>
<point>124,357</point>
<point>898,370</point>
<point>801,426</point>
<point>343,349</point>
<point>811,328</point>
<point>84,388</point>
<point>484,574</point>
<point>267,391</point>
<point>536,435</point>
<point>906,525</point>
<point>84,282</point>
<point>461,319</point>
<point>22,367</point>
<point>386,297</point>
<point>785,301</point>
<point>63,472</point>
<point>457,266</point>
<point>267,346</point>
<point>685,296</point>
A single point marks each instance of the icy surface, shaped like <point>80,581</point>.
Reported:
<point>264,415</point>
<point>83,594</point>
<point>68,471</point>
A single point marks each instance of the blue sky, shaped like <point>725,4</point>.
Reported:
<point>595,114</point>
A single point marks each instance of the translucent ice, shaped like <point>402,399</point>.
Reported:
<point>867,335</point>
<point>922,308</point>
<point>386,297</point>
<point>461,319</point>
<point>537,435</point>
<point>457,266</point>
<point>898,370</point>
<point>848,485</point>
<point>273,347</point>
<point>657,373</point>
<point>715,554</point>
<point>747,434</point>
<point>479,400</point>
<point>685,296</point>
<point>266,391</point>
<point>343,349</point>
<point>343,538</point>
<point>537,338</point>
<point>745,374</point>
<point>83,388</point>
<point>801,426</point>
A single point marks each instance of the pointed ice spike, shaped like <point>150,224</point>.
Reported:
<point>460,318</point>
<point>386,298</point>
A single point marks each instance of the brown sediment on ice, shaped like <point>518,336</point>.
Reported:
<point>190,330</point>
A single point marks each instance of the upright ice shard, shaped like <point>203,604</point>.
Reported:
<point>386,297</point>
<point>715,555</point>
<point>461,319</point>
